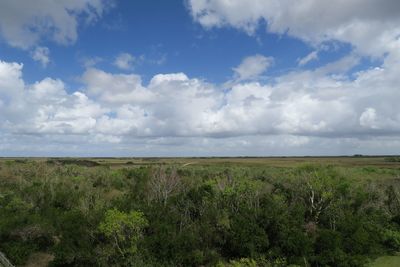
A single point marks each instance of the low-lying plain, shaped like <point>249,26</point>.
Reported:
<point>281,211</point>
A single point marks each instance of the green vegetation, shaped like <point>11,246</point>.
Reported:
<point>392,159</point>
<point>387,261</point>
<point>201,212</point>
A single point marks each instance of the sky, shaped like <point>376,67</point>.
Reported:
<point>199,77</point>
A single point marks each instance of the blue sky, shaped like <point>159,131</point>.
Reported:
<point>197,77</point>
<point>168,39</point>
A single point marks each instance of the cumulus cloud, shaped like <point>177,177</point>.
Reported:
<point>115,88</point>
<point>42,55</point>
<point>304,111</point>
<point>252,67</point>
<point>124,61</point>
<point>356,22</point>
<point>24,23</point>
<point>44,107</point>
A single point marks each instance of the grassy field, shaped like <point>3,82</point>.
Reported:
<point>387,261</point>
<point>354,161</point>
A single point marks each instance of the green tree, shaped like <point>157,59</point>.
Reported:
<point>123,230</point>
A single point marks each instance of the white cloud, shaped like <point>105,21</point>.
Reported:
<point>368,118</point>
<point>302,112</point>
<point>252,67</point>
<point>115,88</point>
<point>43,107</point>
<point>124,61</point>
<point>41,54</point>
<point>25,23</point>
<point>89,62</point>
<point>10,77</point>
<point>160,79</point>
<point>357,22</point>
<point>310,57</point>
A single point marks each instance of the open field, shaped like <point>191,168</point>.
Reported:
<point>232,212</point>
<point>267,161</point>
<point>350,161</point>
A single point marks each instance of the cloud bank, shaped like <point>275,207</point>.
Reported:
<point>298,109</point>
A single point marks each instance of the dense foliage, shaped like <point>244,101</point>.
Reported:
<point>198,215</point>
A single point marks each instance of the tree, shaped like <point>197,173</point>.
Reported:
<point>123,230</point>
<point>163,183</point>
